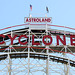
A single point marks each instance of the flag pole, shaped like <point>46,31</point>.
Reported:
<point>30,10</point>
<point>46,17</point>
<point>30,13</point>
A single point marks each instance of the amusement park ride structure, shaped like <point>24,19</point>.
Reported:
<point>29,59</point>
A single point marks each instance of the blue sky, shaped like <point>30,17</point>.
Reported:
<point>12,12</point>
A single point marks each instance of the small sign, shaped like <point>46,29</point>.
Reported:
<point>37,19</point>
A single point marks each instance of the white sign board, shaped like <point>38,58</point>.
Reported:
<point>37,19</point>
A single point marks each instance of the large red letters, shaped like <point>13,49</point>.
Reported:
<point>58,38</point>
<point>63,41</point>
<point>22,43</point>
<point>12,38</point>
<point>72,39</point>
<point>33,43</point>
<point>45,42</point>
<point>2,42</point>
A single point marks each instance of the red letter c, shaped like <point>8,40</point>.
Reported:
<point>2,42</point>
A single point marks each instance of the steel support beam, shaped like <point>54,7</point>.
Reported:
<point>9,65</point>
<point>29,53</point>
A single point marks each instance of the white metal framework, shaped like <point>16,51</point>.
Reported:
<point>31,59</point>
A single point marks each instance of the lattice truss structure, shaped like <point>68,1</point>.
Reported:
<point>31,59</point>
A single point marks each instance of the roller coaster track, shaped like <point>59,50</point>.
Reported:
<point>51,53</point>
<point>37,54</point>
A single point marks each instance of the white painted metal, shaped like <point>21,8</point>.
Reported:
<point>29,66</point>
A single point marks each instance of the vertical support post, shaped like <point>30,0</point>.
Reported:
<point>29,50</point>
<point>47,61</point>
<point>9,65</point>
<point>29,53</point>
<point>67,66</point>
<point>9,59</point>
<point>47,64</point>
